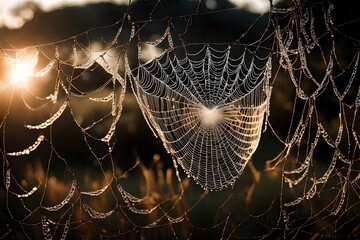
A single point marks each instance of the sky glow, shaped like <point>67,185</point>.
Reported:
<point>15,13</point>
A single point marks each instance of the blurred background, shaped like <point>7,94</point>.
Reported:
<point>72,163</point>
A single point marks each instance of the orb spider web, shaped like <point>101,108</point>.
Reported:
<point>208,112</point>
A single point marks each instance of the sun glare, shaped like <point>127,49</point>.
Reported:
<point>20,75</point>
<point>22,66</point>
<point>210,117</point>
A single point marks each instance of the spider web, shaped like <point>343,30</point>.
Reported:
<point>208,112</point>
<point>290,78</point>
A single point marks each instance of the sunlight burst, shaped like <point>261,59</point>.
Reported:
<point>210,117</point>
<point>22,66</point>
<point>20,74</point>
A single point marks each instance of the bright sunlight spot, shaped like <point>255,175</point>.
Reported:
<point>20,74</point>
<point>210,117</point>
<point>22,65</point>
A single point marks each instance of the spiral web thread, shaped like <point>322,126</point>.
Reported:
<point>301,182</point>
